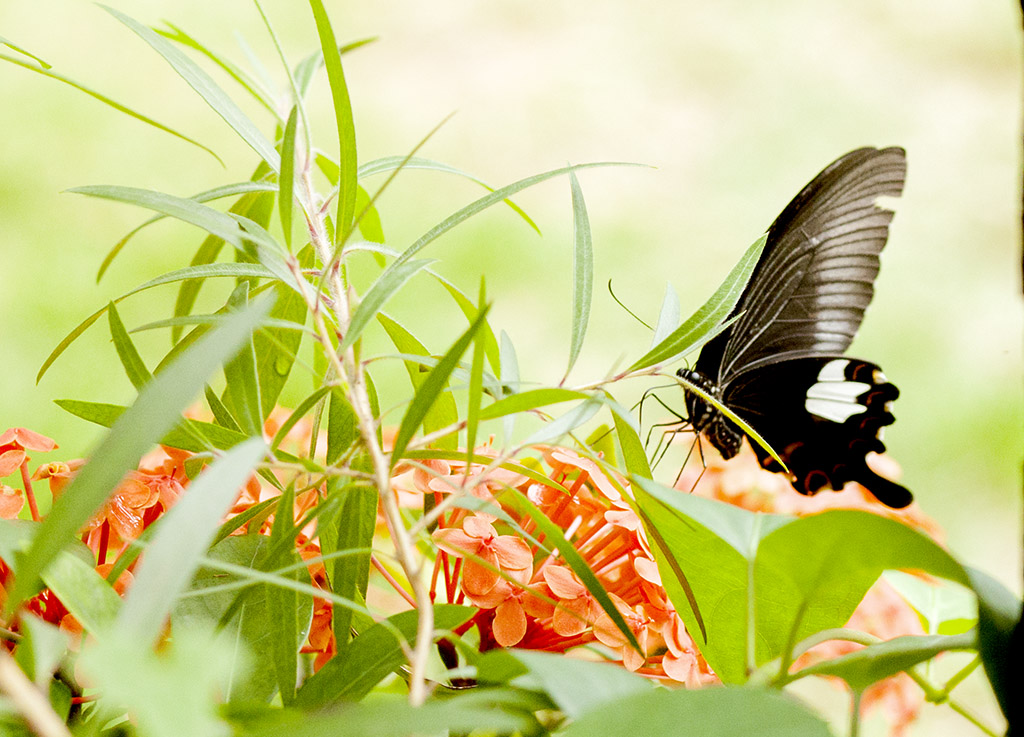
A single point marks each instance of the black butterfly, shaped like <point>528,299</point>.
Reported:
<point>780,366</point>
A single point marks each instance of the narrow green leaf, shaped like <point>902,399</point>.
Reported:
<point>633,454</point>
<point>282,604</point>
<point>369,220</point>
<point>389,163</point>
<point>668,318</point>
<point>183,535</point>
<point>228,190</point>
<point>248,241</point>
<point>46,72</point>
<point>133,364</point>
<point>157,410</point>
<point>582,271</point>
<point>698,327</point>
<point>385,287</point>
<point>221,414</point>
<point>177,35</point>
<point>343,116</point>
<point>372,656</point>
<point>528,400</point>
<point>297,414</point>
<point>561,426</point>
<point>444,411</point>
<point>342,427</point>
<point>431,388</point>
<point>355,525</point>
<point>555,536</point>
<point>476,381</point>
<point>469,310</point>
<point>204,85</point>
<point>287,178</point>
<point>11,45</point>
<point>242,388</point>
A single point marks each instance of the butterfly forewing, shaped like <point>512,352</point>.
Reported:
<point>808,294</point>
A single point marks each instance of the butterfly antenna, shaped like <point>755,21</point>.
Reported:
<point>629,311</point>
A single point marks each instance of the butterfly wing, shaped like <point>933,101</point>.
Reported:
<point>815,278</point>
<point>822,415</point>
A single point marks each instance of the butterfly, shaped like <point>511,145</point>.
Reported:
<point>780,366</point>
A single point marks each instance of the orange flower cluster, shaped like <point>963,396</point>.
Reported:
<point>526,595</point>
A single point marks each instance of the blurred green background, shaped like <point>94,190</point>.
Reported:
<point>735,104</point>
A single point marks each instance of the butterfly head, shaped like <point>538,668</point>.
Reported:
<point>704,417</point>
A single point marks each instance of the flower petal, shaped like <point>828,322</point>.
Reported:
<point>477,578</point>
<point>481,527</point>
<point>563,582</point>
<point>455,542</point>
<point>11,501</point>
<point>509,624</point>
<point>10,461</point>
<point>513,552</point>
<point>21,437</point>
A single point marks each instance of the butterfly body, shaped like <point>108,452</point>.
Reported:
<point>780,366</point>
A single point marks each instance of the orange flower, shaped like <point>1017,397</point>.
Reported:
<point>13,444</point>
<point>487,554</point>
<point>512,601</point>
<point>11,501</point>
<point>577,609</point>
<point>125,510</point>
<point>645,628</point>
<point>683,662</point>
<point>59,474</point>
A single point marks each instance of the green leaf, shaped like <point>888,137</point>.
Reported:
<point>157,410</point>
<point>999,633</point>
<point>383,289</point>
<point>444,411</point>
<point>241,386</point>
<point>227,190</point>
<point>528,400</point>
<point>282,604</point>
<point>371,656</point>
<point>343,116</point>
<point>46,72</point>
<point>389,163</point>
<point>11,45</point>
<point>133,364</point>
<point>368,219</point>
<point>476,383</point>
<point>194,667</point>
<point>578,686</point>
<point>873,663</point>
<point>431,388</point>
<point>668,318</point>
<point>582,270</point>
<point>698,328</point>
<point>297,414</point>
<point>633,454</point>
<point>249,241</point>
<point>183,534</point>
<point>342,427</point>
<point>559,427</point>
<point>42,648</point>
<point>243,558</point>
<point>83,591</point>
<point>287,178</point>
<point>354,527</point>
<point>203,84</point>
<point>797,577</point>
<point>469,310</point>
<point>712,712</point>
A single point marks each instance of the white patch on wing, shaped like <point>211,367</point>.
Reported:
<point>833,397</point>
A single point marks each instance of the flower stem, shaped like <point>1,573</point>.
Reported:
<point>29,494</point>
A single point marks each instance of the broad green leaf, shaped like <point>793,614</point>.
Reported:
<point>999,633</point>
<point>431,388</point>
<point>578,686</point>
<point>797,577</point>
<point>444,411</point>
<point>157,409</point>
<point>83,591</point>
<point>528,400</point>
<point>945,608</point>
<point>712,712</point>
<point>383,289</point>
<point>204,85</point>
<point>242,386</point>
<point>42,648</point>
<point>228,190</point>
<point>194,667</point>
<point>184,534</point>
<point>343,117</point>
<point>633,455</point>
<point>47,72</point>
<point>133,364</point>
<point>582,271</point>
<point>287,179</point>
<point>370,657</point>
<point>241,558</point>
<point>873,663</point>
<point>698,328</point>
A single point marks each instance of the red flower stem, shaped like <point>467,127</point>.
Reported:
<point>29,494</point>
<point>453,587</point>
<point>433,579</point>
<point>101,555</point>
<point>391,580</point>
